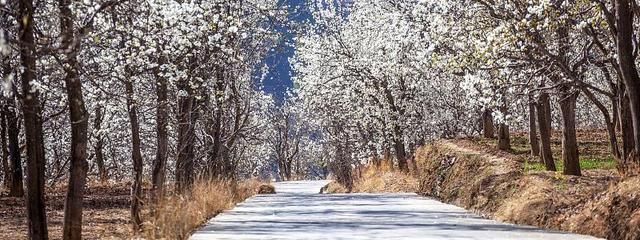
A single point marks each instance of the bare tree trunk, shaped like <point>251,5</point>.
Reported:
<point>399,148</point>
<point>544,121</point>
<point>401,155</point>
<point>186,138</point>
<point>136,188</point>
<point>611,129</point>
<point>32,112</point>
<point>386,155</point>
<point>214,129</point>
<point>504,140</point>
<point>615,109</point>
<point>628,143</point>
<point>374,155</point>
<point>162,118</point>
<point>17,187</point>
<point>627,64</point>
<point>341,166</point>
<point>487,124</point>
<point>5,150</point>
<point>533,131</point>
<point>79,118</point>
<point>569,138</point>
<point>214,144</point>
<point>103,175</point>
<point>6,72</point>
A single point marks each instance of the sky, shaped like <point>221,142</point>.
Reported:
<point>278,80</point>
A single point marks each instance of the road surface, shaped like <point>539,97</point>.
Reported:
<point>297,211</point>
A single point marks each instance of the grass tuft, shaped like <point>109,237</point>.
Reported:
<point>377,179</point>
<point>177,216</point>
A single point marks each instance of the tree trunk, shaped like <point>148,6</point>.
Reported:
<point>544,121</point>
<point>401,155</point>
<point>398,147</point>
<point>214,142</point>
<point>17,188</point>
<point>487,124</point>
<point>6,169</point>
<point>626,60</point>
<point>386,154</point>
<point>504,140</point>
<point>186,138</point>
<point>609,123</point>
<point>569,138</point>
<point>136,188</point>
<point>6,72</point>
<point>214,128</point>
<point>32,112</point>
<point>103,175</point>
<point>79,118</point>
<point>628,143</point>
<point>162,118</point>
<point>373,154</point>
<point>533,131</point>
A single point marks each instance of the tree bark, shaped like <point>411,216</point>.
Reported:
<point>162,118</point>
<point>6,169</point>
<point>533,131</point>
<point>628,143</point>
<point>609,123</point>
<point>504,140</point>
<point>17,188</point>
<point>401,155</point>
<point>569,138</point>
<point>487,124</point>
<point>8,104</point>
<point>214,129</point>
<point>373,154</point>
<point>398,146</point>
<point>32,112</point>
<point>544,121</point>
<point>78,116</point>
<point>627,65</point>
<point>186,138</point>
<point>136,188</point>
<point>103,174</point>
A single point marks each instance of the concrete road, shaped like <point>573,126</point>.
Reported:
<point>299,212</point>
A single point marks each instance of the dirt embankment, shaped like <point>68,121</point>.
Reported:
<point>494,184</point>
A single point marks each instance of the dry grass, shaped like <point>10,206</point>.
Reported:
<point>334,187</point>
<point>177,216</point>
<point>614,214</point>
<point>384,178</point>
<point>377,179</point>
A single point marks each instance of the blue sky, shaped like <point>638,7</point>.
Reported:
<point>278,80</point>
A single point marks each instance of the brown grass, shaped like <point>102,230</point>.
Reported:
<point>177,216</point>
<point>614,214</point>
<point>334,187</point>
<point>377,179</point>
